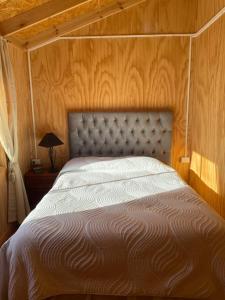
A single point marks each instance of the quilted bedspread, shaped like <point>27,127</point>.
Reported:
<point>117,227</point>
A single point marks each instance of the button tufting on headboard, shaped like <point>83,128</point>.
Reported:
<point>121,133</point>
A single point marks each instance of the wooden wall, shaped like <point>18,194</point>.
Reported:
<point>19,61</point>
<point>207,116</point>
<point>153,16</point>
<point>118,75</point>
<point>206,9</point>
<point>156,16</point>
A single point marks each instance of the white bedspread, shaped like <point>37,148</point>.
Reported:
<point>93,182</point>
<point>125,227</point>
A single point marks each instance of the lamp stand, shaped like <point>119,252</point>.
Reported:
<point>51,157</point>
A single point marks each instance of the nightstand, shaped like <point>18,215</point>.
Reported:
<point>37,185</point>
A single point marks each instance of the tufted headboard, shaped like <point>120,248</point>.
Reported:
<point>121,134</point>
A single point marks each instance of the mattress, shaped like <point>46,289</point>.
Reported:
<point>125,227</point>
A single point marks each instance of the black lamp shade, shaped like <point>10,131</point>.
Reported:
<point>50,140</point>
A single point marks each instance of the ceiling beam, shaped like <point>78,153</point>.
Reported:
<point>36,15</point>
<point>52,34</point>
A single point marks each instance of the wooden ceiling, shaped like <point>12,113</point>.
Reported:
<point>29,23</point>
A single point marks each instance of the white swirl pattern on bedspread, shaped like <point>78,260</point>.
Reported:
<point>92,182</point>
<point>82,240</point>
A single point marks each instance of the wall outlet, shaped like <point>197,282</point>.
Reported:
<point>35,161</point>
<point>185,160</point>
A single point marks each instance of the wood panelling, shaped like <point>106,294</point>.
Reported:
<point>95,15</point>
<point>207,116</point>
<point>11,8</point>
<point>19,62</point>
<point>150,17</point>
<point>29,33</point>
<point>110,75</point>
<point>155,16</point>
<point>206,9</point>
<point>36,15</point>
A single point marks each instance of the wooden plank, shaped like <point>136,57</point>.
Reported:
<point>11,8</point>
<point>36,15</point>
<point>150,17</point>
<point>81,21</point>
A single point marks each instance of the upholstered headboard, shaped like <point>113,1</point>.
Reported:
<point>121,134</point>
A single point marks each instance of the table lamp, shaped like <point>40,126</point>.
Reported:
<point>50,140</point>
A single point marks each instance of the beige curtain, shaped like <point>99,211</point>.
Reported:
<point>18,206</point>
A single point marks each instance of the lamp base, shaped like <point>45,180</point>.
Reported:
<point>53,170</point>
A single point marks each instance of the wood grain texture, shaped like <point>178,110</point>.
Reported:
<point>31,32</point>
<point>155,16</point>
<point>11,8</point>
<point>19,62</point>
<point>36,15</point>
<point>207,116</point>
<point>110,75</point>
<point>206,9</point>
<point>80,21</point>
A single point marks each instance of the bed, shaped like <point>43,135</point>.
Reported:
<point>119,223</point>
